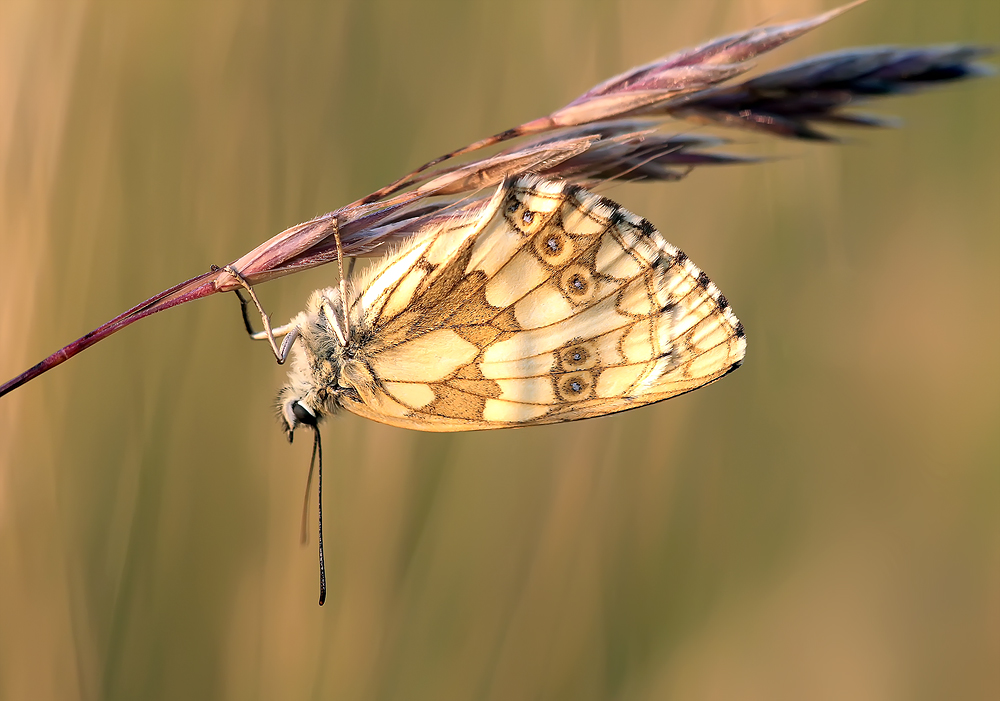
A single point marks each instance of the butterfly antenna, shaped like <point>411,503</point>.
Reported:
<point>343,280</point>
<point>304,530</point>
<point>317,458</point>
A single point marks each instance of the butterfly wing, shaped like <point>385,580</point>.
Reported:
<point>554,304</point>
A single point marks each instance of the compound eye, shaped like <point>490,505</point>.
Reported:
<point>303,415</point>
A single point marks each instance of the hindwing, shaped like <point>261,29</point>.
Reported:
<point>553,304</point>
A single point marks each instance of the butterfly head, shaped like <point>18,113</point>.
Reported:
<point>316,361</point>
<point>295,413</point>
<point>310,395</point>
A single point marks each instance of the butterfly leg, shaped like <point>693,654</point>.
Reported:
<point>289,331</point>
<point>343,280</point>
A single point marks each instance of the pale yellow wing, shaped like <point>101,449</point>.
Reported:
<point>554,305</point>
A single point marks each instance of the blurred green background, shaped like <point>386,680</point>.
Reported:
<point>823,524</point>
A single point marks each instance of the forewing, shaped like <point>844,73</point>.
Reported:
<point>555,304</point>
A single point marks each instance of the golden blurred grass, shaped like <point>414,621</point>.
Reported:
<point>822,524</point>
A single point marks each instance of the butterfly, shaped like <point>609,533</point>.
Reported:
<point>550,304</point>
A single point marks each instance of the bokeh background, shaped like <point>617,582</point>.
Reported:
<point>823,524</point>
